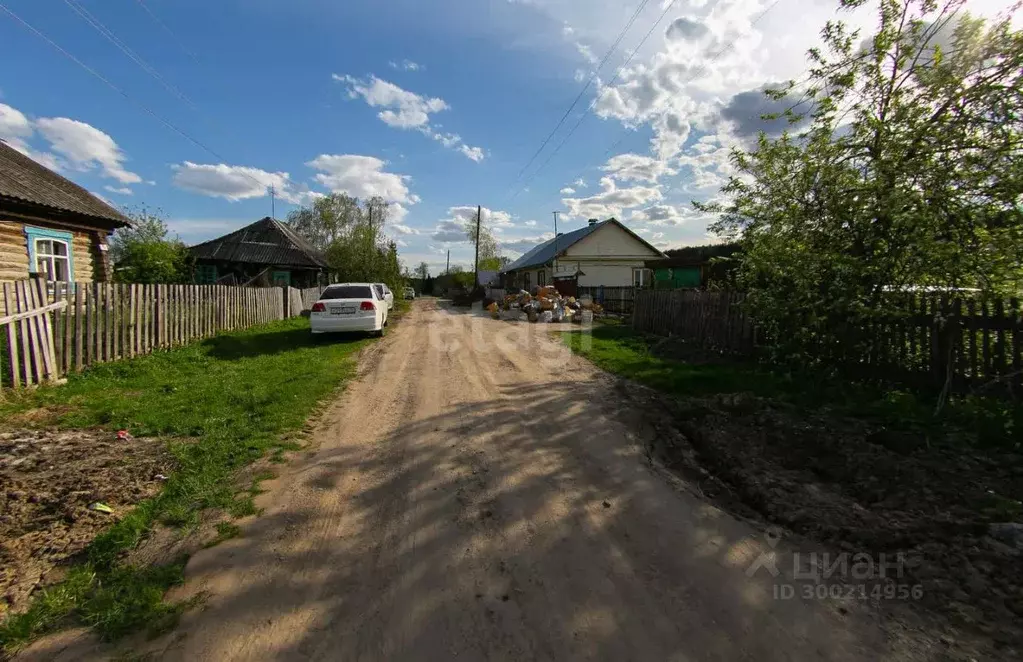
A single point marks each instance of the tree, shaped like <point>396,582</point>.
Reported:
<point>489,251</point>
<point>423,271</point>
<point>146,253</point>
<point>908,174</point>
<point>351,236</point>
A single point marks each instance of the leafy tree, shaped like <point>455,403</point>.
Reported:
<point>145,252</point>
<point>423,271</point>
<point>351,236</point>
<point>908,174</point>
<point>489,251</point>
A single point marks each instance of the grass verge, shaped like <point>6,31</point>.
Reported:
<point>641,358</point>
<point>223,402</point>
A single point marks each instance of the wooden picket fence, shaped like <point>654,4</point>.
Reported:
<point>923,341</point>
<point>48,330</point>
<point>616,300</point>
<point>714,320</point>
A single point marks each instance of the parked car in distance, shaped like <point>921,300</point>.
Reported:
<point>385,294</point>
<point>349,307</point>
<point>409,293</point>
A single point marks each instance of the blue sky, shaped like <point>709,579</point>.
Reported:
<point>437,106</point>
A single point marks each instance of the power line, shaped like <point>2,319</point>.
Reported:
<point>696,74</point>
<point>593,103</point>
<point>607,55</point>
<point>163,25</point>
<point>149,111</point>
<point>132,55</point>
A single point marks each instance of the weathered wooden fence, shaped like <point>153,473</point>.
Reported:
<point>714,320</point>
<point>922,341</point>
<point>617,300</point>
<point>309,296</point>
<point>97,322</point>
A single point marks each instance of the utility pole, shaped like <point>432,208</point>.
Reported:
<point>554,265</point>
<point>476,264</point>
<point>273,211</point>
<point>447,267</point>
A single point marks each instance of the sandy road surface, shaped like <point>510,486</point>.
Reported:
<point>473,496</point>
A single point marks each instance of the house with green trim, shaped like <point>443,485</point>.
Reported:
<point>692,267</point>
<point>267,252</point>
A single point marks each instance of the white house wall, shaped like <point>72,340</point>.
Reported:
<point>610,241</point>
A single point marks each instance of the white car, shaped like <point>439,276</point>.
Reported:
<point>410,293</point>
<point>349,307</point>
<point>386,294</point>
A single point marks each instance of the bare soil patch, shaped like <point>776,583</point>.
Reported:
<point>48,480</point>
<point>858,486</point>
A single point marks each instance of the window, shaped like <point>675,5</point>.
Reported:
<point>280,277</point>
<point>49,254</point>
<point>347,292</point>
<point>541,278</point>
<point>206,274</point>
<point>642,278</point>
<point>525,280</point>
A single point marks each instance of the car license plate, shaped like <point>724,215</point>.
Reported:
<point>342,310</point>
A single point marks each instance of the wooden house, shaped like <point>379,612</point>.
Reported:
<point>49,226</point>
<point>601,253</point>
<point>267,252</point>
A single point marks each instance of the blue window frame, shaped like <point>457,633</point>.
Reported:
<point>50,253</point>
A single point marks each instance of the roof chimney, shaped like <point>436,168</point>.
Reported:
<point>593,221</point>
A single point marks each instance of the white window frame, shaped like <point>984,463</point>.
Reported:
<point>646,277</point>
<point>541,278</point>
<point>36,238</point>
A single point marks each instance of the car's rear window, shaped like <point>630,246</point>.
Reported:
<point>347,292</point>
<point>380,290</point>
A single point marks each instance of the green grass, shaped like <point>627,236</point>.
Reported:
<point>624,352</point>
<point>222,403</point>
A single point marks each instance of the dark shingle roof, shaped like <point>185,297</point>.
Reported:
<point>545,252</point>
<point>267,241</point>
<point>23,180</point>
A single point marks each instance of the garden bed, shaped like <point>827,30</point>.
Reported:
<point>50,479</point>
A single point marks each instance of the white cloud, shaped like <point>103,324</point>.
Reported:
<point>568,190</point>
<point>580,183</point>
<point>473,153</point>
<point>407,110</point>
<point>635,167</point>
<point>406,65</point>
<point>123,190</point>
<point>611,200</point>
<point>403,229</point>
<point>530,224</point>
<point>659,215</point>
<point>586,52</point>
<point>15,128</point>
<point>219,180</point>
<point>401,109</point>
<point>84,147</point>
<point>449,232</point>
<point>362,177</point>
<point>490,217</point>
<point>523,244</point>
<point>452,228</point>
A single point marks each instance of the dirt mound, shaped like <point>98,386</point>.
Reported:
<point>48,480</point>
<point>861,487</point>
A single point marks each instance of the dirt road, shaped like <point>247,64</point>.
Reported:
<point>475,495</point>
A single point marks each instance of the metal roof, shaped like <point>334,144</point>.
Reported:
<point>545,252</point>
<point>267,241</point>
<point>548,250</point>
<point>25,181</point>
